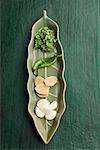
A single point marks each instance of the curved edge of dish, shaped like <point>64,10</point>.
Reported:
<point>30,77</point>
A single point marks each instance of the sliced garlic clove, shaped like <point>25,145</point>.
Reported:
<point>46,109</point>
<point>39,80</point>
<point>43,102</point>
<point>39,113</point>
<point>51,116</point>
<point>42,89</point>
<point>50,81</point>
<point>53,105</point>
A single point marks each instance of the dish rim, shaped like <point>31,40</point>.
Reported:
<point>30,76</point>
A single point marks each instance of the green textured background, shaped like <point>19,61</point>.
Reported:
<point>79,33</point>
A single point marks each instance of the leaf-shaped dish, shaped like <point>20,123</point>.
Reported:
<point>46,128</point>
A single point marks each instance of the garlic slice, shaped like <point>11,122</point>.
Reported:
<point>53,105</point>
<point>39,113</point>
<point>51,116</point>
<point>42,102</point>
<point>46,109</point>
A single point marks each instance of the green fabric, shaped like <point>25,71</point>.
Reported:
<point>79,23</point>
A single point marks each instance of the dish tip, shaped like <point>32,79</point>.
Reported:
<point>44,13</point>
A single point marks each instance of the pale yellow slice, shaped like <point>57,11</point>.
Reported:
<point>53,105</point>
<point>39,113</point>
<point>39,80</point>
<point>51,116</point>
<point>50,81</point>
<point>46,110</point>
<point>42,103</point>
<point>42,89</point>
